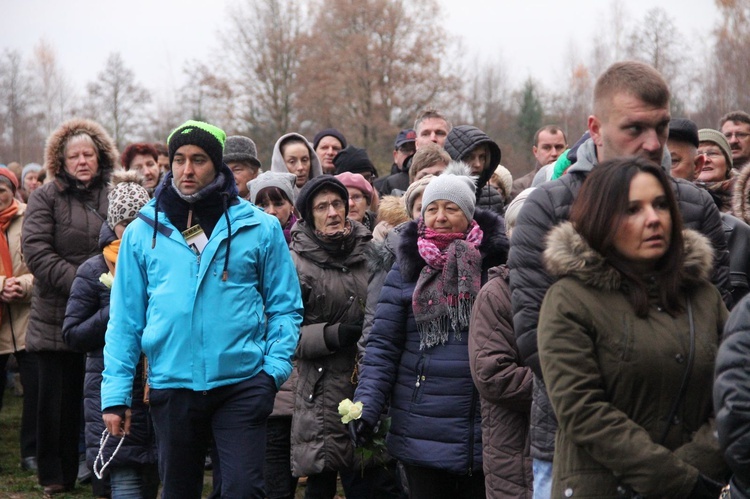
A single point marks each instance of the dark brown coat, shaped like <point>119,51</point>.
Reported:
<point>505,388</point>
<point>61,231</point>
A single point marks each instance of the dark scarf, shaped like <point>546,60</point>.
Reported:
<point>448,284</point>
<point>338,245</point>
<point>721,192</point>
<point>207,205</point>
<point>288,228</point>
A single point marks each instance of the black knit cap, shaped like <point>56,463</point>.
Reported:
<point>329,132</point>
<point>354,160</point>
<point>206,136</point>
<point>313,187</point>
<point>683,130</point>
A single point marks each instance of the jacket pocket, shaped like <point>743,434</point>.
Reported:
<point>308,384</point>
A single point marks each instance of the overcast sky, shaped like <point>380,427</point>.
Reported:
<point>156,37</point>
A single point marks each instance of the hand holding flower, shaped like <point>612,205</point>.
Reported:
<point>350,410</point>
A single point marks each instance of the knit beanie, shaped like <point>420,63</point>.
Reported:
<point>314,186</point>
<point>239,148</point>
<point>284,181</point>
<point>31,167</point>
<point>514,208</point>
<point>207,137</point>
<point>356,181</point>
<point>718,138</point>
<point>355,160</point>
<point>9,178</point>
<point>415,189</point>
<point>329,132</point>
<point>126,197</point>
<point>454,185</point>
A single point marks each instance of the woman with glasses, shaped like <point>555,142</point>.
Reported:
<point>328,249</point>
<point>716,175</point>
<point>361,194</point>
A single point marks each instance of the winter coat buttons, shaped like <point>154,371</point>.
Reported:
<point>568,492</point>
<point>679,358</point>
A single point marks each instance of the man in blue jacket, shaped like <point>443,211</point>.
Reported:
<point>206,289</point>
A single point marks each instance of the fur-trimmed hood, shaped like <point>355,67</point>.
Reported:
<point>568,254</point>
<point>54,158</point>
<point>741,195</point>
<point>494,246</point>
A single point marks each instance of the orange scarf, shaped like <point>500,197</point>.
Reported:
<point>110,254</point>
<point>6,216</point>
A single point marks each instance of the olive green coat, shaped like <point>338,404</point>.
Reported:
<point>612,377</point>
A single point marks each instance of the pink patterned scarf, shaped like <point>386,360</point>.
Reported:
<point>448,284</point>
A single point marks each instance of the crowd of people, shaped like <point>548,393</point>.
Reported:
<point>563,334</point>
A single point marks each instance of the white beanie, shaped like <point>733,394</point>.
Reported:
<point>455,185</point>
<point>283,180</point>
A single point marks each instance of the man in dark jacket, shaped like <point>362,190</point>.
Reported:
<point>631,117</point>
<point>403,149</point>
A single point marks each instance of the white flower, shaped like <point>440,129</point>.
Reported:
<point>350,410</point>
<point>107,279</point>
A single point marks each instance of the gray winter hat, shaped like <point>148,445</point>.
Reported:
<point>239,148</point>
<point>284,181</point>
<point>455,185</point>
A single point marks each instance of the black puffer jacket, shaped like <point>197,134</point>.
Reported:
<point>545,208</point>
<point>85,323</point>
<point>732,397</point>
<point>462,139</point>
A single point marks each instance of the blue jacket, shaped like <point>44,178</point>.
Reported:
<point>198,331</point>
<point>434,406</point>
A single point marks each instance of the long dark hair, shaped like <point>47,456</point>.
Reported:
<point>597,213</point>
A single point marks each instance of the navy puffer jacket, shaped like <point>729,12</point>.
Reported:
<point>435,408</point>
<point>85,323</point>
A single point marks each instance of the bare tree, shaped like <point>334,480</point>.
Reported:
<point>369,66</point>
<point>19,137</point>
<point>55,94</point>
<point>263,49</point>
<point>206,96</point>
<point>117,101</point>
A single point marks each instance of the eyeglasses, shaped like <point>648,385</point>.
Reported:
<point>324,207</point>
<point>356,197</point>
<point>710,154</point>
<point>739,135</point>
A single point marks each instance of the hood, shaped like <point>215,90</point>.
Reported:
<point>741,193</point>
<point>54,161</point>
<point>277,161</point>
<point>568,254</point>
<point>106,236</point>
<point>494,246</point>
<point>462,139</point>
<point>586,159</point>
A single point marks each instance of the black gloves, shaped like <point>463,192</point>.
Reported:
<point>705,488</point>
<point>343,336</point>
<point>361,432</point>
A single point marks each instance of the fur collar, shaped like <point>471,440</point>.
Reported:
<point>568,254</point>
<point>741,195</point>
<point>494,247</point>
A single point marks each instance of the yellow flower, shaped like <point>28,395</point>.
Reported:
<point>350,410</point>
<point>107,279</point>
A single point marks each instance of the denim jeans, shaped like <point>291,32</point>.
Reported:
<point>542,479</point>
<point>183,420</point>
<point>135,482</point>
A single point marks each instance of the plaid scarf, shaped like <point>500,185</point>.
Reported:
<point>448,284</point>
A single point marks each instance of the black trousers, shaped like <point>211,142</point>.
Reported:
<point>183,422</point>
<point>59,416</point>
<point>430,483</point>
<point>29,371</point>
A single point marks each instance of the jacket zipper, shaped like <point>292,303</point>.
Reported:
<point>472,410</point>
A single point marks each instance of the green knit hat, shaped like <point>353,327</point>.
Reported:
<point>207,137</point>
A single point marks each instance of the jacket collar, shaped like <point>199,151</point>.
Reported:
<point>587,159</point>
<point>494,246</point>
<point>568,254</point>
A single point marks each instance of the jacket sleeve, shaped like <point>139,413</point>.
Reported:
<point>283,305</point>
<point>528,279</point>
<point>493,356</point>
<point>732,392</point>
<point>38,245</point>
<point>585,415</point>
<point>127,319</point>
<point>85,319</point>
<point>700,213</point>
<point>384,347</point>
